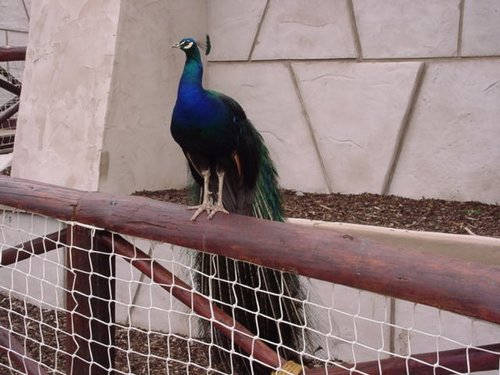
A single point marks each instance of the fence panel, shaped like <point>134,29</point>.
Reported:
<point>115,293</point>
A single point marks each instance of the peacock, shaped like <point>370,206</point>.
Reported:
<point>232,168</point>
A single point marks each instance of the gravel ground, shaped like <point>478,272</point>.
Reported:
<point>135,345</point>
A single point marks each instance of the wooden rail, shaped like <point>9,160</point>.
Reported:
<point>90,304</point>
<point>451,284</point>
<point>13,89</point>
<point>32,247</point>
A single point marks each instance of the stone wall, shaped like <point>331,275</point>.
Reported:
<point>394,97</point>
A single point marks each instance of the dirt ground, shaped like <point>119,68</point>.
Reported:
<point>435,215</point>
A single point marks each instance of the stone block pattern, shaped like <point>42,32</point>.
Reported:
<point>407,28</point>
<point>452,146</point>
<point>356,112</point>
<point>226,16</point>
<point>481,28</point>
<point>366,96</point>
<point>278,115</point>
<point>295,29</point>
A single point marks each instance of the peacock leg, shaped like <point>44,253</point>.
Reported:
<point>205,205</point>
<point>219,207</point>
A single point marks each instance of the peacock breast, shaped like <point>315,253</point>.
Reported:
<point>203,126</point>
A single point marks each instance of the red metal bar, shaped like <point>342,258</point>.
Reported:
<point>16,353</point>
<point>6,85</point>
<point>12,53</point>
<point>5,106</point>
<point>9,124</point>
<point>9,77</point>
<point>32,247</point>
<point>90,305</point>
<point>5,115</point>
<point>200,304</point>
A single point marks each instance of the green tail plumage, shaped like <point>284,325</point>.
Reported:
<point>255,296</point>
<point>267,203</point>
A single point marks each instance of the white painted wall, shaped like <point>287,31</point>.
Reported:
<point>99,85</point>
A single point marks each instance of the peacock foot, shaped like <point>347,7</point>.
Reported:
<point>215,209</point>
<point>205,206</point>
<point>209,208</point>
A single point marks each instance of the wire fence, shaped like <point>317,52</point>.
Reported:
<point>81,298</point>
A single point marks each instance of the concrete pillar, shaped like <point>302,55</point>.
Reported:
<point>99,86</point>
<point>138,150</point>
<point>65,93</point>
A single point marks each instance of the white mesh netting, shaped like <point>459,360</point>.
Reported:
<point>155,333</point>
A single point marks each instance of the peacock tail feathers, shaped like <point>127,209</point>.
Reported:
<point>267,203</point>
<point>266,301</point>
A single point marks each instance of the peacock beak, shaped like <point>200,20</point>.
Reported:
<point>176,45</point>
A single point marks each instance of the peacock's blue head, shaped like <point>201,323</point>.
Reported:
<point>190,45</point>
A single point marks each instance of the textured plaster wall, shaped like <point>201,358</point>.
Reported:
<point>64,101</point>
<point>99,85</point>
<point>138,151</point>
<point>394,97</point>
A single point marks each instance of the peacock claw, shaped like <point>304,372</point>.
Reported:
<point>207,201</point>
<point>209,208</point>
<point>216,209</point>
<point>199,209</point>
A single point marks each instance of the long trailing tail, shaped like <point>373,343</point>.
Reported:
<point>266,301</point>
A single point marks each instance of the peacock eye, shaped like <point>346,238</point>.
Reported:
<point>187,45</point>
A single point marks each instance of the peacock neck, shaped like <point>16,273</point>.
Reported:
<point>192,75</point>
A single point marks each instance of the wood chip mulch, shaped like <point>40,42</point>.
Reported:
<point>434,215</point>
<point>138,352</point>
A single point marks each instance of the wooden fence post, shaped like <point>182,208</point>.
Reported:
<point>90,304</point>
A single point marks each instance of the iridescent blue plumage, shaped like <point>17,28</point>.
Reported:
<point>219,141</point>
<point>199,115</point>
<point>231,164</point>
